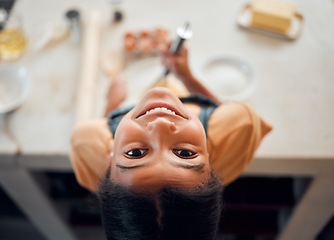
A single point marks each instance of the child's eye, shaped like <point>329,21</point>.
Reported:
<point>184,153</point>
<point>136,153</point>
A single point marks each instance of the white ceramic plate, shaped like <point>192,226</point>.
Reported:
<point>229,78</point>
<point>15,85</point>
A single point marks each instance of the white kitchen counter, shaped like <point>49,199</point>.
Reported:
<point>294,92</point>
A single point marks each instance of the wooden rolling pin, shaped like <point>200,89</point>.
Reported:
<point>89,66</point>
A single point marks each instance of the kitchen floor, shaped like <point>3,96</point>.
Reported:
<point>256,208</point>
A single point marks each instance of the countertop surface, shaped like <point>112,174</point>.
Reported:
<point>295,79</point>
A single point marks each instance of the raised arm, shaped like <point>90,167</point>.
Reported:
<point>116,94</point>
<point>179,66</point>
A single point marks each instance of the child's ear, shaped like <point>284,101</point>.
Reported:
<point>110,157</point>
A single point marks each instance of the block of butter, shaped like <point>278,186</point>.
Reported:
<point>272,14</point>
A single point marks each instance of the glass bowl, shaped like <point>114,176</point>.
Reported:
<point>230,78</point>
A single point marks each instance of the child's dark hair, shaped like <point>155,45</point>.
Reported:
<point>172,213</point>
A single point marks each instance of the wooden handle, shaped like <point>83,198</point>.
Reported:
<point>89,66</point>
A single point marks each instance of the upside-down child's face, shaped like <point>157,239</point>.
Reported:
<point>159,143</point>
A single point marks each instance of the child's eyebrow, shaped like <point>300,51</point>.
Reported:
<point>130,167</point>
<point>187,166</point>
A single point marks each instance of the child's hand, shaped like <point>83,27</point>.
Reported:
<point>116,94</point>
<point>177,63</point>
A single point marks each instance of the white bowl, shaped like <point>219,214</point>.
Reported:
<point>15,85</point>
<point>230,78</point>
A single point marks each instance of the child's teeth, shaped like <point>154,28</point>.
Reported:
<point>159,109</point>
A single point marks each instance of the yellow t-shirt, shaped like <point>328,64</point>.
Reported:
<point>234,133</point>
